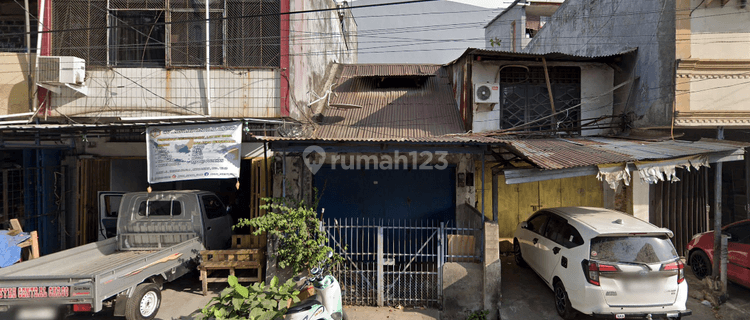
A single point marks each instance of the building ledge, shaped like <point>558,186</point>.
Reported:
<point>712,118</point>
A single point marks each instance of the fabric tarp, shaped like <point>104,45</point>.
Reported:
<point>650,172</point>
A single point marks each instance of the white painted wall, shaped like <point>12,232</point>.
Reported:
<point>502,29</point>
<point>316,40</point>
<point>597,82</point>
<point>720,93</point>
<point>719,31</point>
<point>101,148</point>
<point>152,92</point>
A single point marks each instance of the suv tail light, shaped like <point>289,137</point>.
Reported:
<point>592,269</point>
<point>676,265</point>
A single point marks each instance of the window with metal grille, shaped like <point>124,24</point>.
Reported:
<point>253,40</point>
<point>137,38</point>
<point>80,30</point>
<point>188,38</point>
<point>144,33</point>
<point>524,98</point>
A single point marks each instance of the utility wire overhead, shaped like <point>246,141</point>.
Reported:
<point>552,18</point>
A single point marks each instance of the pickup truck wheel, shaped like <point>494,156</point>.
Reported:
<point>145,302</point>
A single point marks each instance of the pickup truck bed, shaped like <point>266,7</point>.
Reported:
<point>159,238</point>
<point>95,271</point>
<point>87,266</point>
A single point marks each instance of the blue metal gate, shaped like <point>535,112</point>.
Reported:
<point>35,196</point>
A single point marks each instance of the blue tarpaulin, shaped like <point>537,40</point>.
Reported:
<point>10,252</point>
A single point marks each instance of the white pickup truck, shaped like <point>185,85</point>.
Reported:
<point>159,238</point>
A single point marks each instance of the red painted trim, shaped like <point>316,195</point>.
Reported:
<point>284,62</point>
<point>46,49</point>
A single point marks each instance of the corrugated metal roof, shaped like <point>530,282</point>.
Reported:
<point>448,139</point>
<point>378,69</point>
<point>559,153</point>
<point>400,113</point>
<point>565,153</point>
<point>550,56</point>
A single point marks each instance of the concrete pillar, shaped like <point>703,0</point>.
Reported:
<point>717,210</point>
<point>608,196</point>
<point>640,197</point>
<point>491,294</point>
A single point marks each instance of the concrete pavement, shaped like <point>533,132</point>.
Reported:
<point>527,297</point>
<point>182,299</point>
<point>374,313</point>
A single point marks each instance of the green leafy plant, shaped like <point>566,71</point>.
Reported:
<point>255,302</point>
<point>495,42</point>
<point>478,315</point>
<point>295,224</point>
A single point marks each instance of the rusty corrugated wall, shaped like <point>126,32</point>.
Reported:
<point>681,206</point>
<point>417,104</point>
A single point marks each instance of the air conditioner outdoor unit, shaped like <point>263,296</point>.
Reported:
<point>61,70</point>
<point>486,93</point>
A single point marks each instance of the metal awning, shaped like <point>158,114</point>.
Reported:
<point>612,158</point>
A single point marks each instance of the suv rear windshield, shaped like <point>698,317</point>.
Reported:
<point>647,249</point>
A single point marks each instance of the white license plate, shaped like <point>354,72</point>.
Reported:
<point>37,313</point>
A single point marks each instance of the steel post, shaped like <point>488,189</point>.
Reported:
<point>724,254</point>
<point>717,211</point>
<point>381,293</point>
<point>441,261</point>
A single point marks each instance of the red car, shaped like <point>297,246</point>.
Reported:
<point>701,249</point>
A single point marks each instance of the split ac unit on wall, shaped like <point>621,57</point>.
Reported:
<point>486,96</point>
<point>60,70</point>
<point>486,93</point>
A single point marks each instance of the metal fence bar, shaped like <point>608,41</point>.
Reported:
<point>440,260</point>
<point>380,267</point>
<point>397,262</point>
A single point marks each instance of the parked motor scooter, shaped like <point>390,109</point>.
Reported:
<point>326,303</point>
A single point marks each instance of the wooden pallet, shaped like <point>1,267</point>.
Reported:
<point>231,260</point>
<point>247,241</point>
<point>32,243</point>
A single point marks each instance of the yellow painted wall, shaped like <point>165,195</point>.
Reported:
<point>14,93</point>
<point>517,201</point>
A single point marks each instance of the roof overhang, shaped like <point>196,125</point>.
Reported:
<point>539,8</point>
<point>613,159</point>
<point>27,130</point>
<point>298,145</point>
<point>549,56</point>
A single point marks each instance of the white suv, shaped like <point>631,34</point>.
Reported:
<point>603,263</point>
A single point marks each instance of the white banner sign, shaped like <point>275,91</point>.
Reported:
<point>187,152</point>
